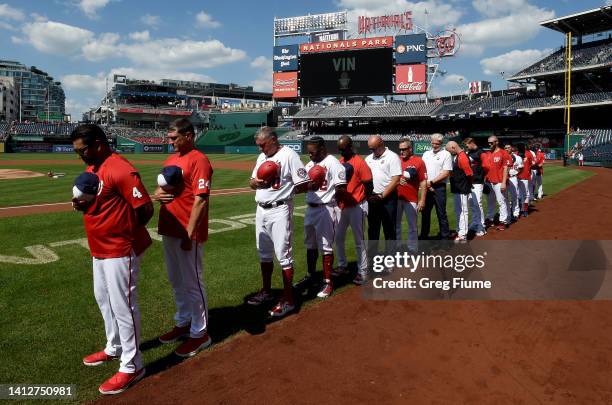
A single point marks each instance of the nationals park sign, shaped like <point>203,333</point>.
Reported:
<point>349,44</point>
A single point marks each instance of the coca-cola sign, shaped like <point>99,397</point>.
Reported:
<point>411,79</point>
<point>285,85</point>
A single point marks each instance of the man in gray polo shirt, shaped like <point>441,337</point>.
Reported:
<point>439,164</point>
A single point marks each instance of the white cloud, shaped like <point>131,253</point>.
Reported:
<point>91,7</point>
<point>263,81</point>
<point>10,13</point>
<point>17,40</point>
<point>503,31</point>
<point>152,21</point>
<point>204,20</point>
<point>101,48</point>
<point>56,38</point>
<point>512,61</point>
<point>7,26</point>
<point>495,8</point>
<point>433,13</point>
<point>94,85</point>
<point>169,53</point>
<point>140,36</point>
<point>453,80</point>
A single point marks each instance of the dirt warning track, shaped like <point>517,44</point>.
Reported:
<point>347,350</point>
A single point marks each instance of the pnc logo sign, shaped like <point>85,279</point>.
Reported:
<point>411,48</point>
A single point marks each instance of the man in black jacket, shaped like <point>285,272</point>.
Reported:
<point>474,153</point>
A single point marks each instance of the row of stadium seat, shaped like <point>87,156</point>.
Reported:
<point>507,102</point>
<point>141,135</point>
<point>386,137</point>
<point>367,111</point>
<point>593,53</point>
<point>35,128</point>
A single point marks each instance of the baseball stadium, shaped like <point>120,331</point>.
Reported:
<point>540,335</point>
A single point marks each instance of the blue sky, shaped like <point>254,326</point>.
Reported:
<point>81,42</point>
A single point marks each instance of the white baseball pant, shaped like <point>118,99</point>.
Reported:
<point>410,209</point>
<point>532,186</point>
<point>461,214</point>
<point>524,191</point>
<point>501,202</point>
<point>114,282</point>
<point>273,234</point>
<point>355,217</point>
<point>185,275</point>
<point>475,200</point>
<point>512,187</point>
<point>491,203</point>
<point>538,186</point>
<point>320,227</point>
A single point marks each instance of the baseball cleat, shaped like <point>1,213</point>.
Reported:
<point>175,334</point>
<point>481,233</point>
<point>326,291</point>
<point>339,271</point>
<point>95,359</point>
<point>121,382</point>
<point>281,309</point>
<point>460,239</point>
<point>359,279</point>
<point>192,346</point>
<point>489,223</point>
<point>261,297</point>
<point>502,227</point>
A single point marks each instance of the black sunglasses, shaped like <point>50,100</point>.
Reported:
<point>403,149</point>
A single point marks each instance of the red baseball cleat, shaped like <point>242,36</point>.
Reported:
<point>281,309</point>
<point>95,359</point>
<point>192,346</point>
<point>326,291</point>
<point>175,334</point>
<point>121,382</point>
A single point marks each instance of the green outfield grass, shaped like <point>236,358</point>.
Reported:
<point>50,317</point>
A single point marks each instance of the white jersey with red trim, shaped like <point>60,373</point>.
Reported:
<point>292,173</point>
<point>335,176</point>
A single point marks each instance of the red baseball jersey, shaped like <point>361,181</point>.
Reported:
<point>498,161</point>
<point>110,222</point>
<point>525,172</point>
<point>410,192</point>
<point>355,190</point>
<point>464,163</point>
<point>540,158</point>
<point>197,178</point>
<point>485,158</point>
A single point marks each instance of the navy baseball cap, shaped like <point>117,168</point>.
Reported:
<point>85,185</point>
<point>170,176</point>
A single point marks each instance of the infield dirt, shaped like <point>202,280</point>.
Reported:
<point>347,350</point>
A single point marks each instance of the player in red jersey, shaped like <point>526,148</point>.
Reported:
<point>115,225</point>
<point>353,206</point>
<point>183,224</point>
<point>500,162</point>
<point>524,176</point>
<point>539,164</point>
<point>413,180</point>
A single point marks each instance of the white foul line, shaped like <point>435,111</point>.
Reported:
<point>227,191</point>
